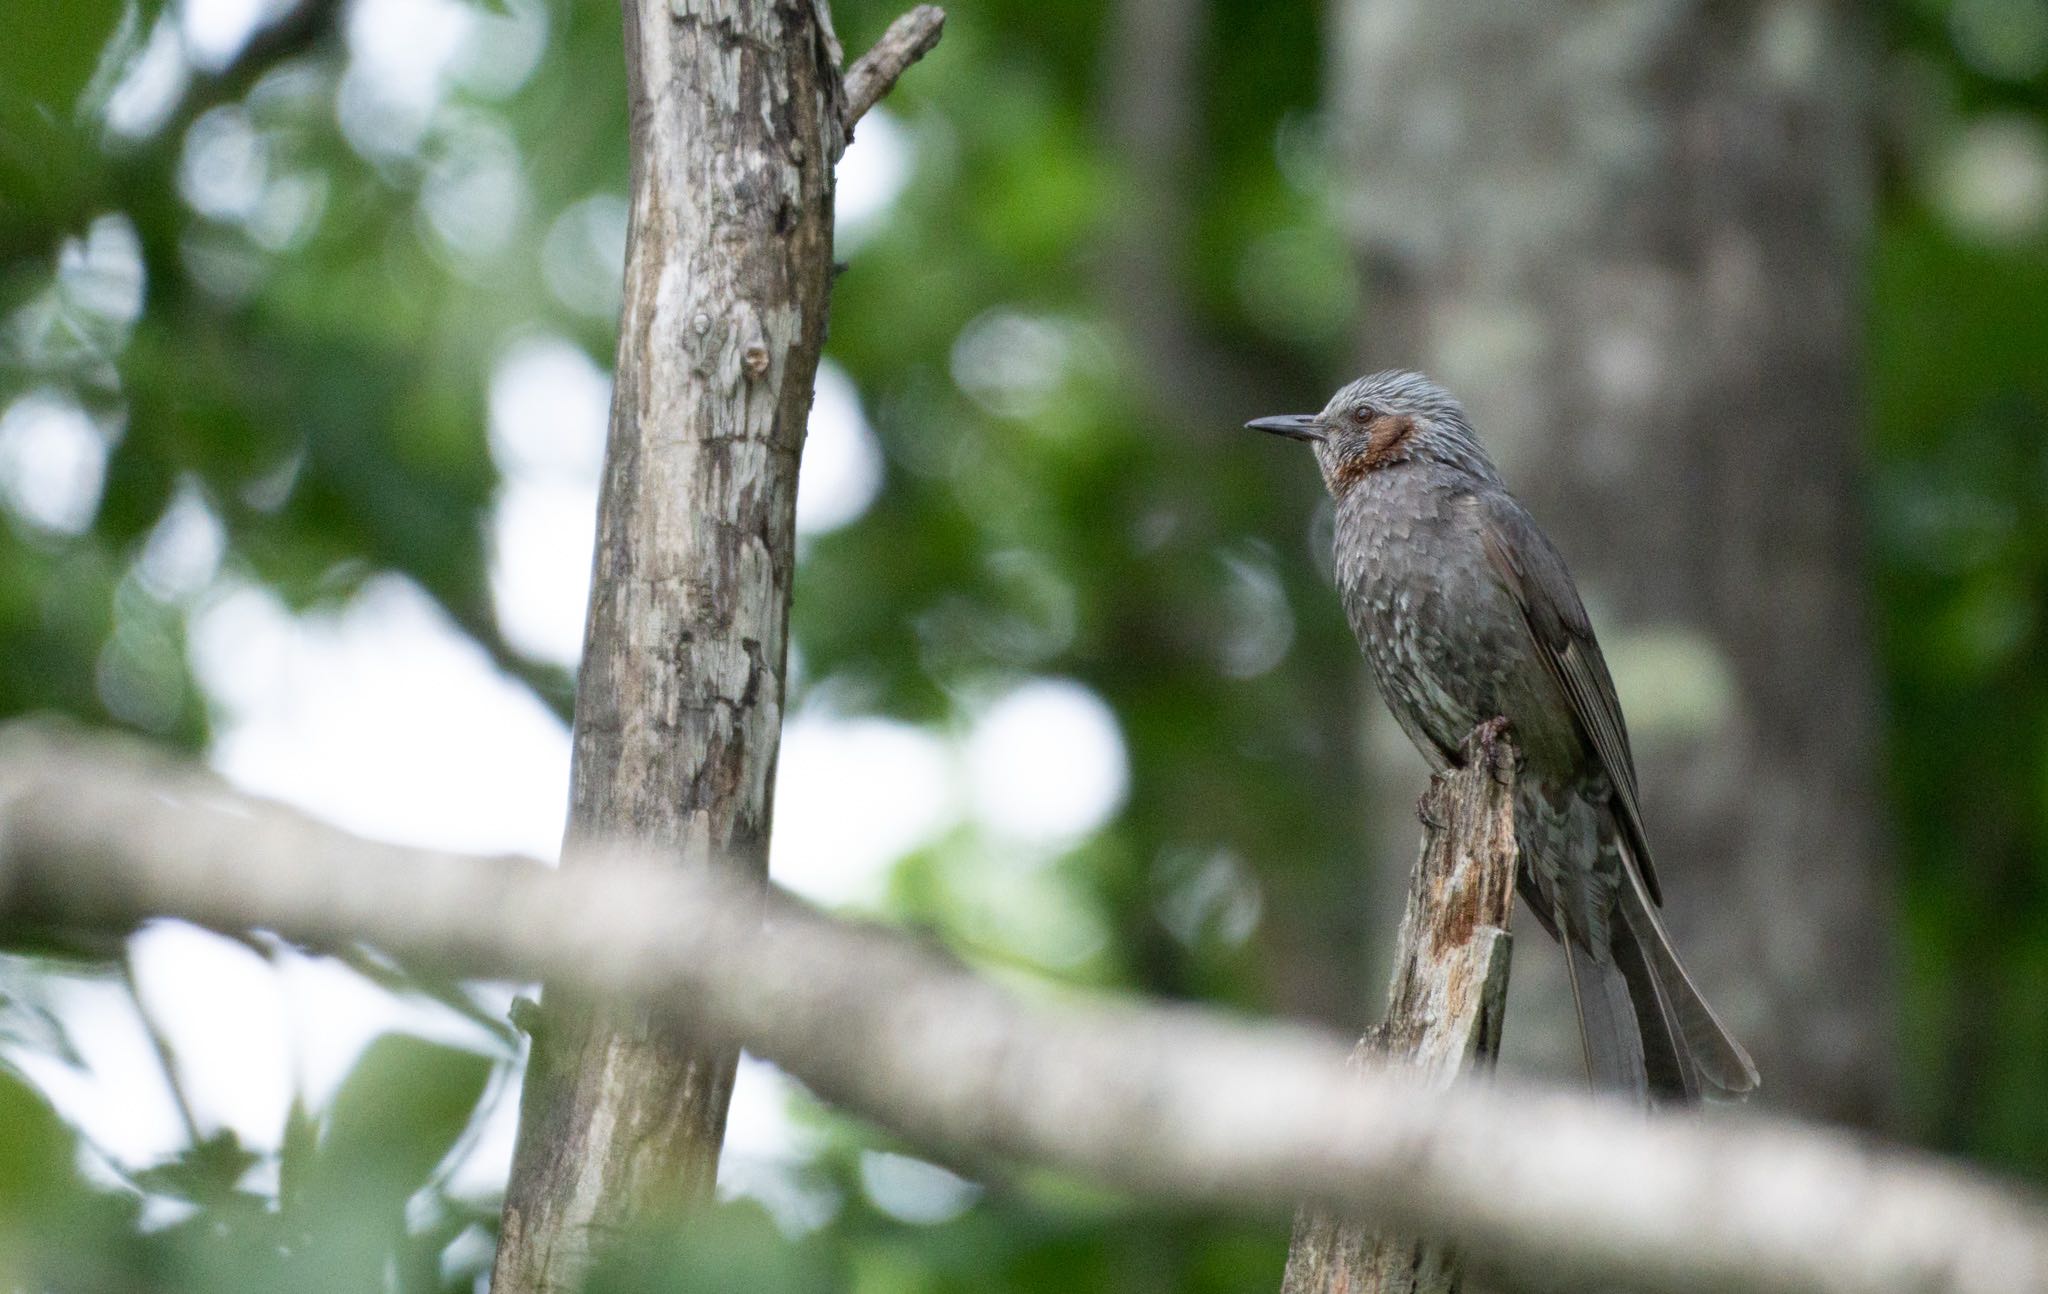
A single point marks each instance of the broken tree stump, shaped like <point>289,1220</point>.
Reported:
<point>1444,1006</point>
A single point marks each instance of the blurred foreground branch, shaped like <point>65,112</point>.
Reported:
<point>1538,1189</point>
<point>1444,1008</point>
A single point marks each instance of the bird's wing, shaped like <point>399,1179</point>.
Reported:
<point>1535,576</point>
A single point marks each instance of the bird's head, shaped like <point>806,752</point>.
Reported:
<point>1384,421</point>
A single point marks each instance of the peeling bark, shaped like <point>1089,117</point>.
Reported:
<point>738,115</point>
<point>1445,1007</point>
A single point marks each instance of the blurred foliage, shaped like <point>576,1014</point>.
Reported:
<point>272,302</point>
<point>1958,325</point>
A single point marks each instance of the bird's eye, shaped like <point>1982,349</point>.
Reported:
<point>1365,413</point>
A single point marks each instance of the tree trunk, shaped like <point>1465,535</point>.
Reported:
<point>739,114</point>
<point>1445,1007</point>
<point>1631,238</point>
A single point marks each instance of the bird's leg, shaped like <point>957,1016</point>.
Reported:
<point>1485,747</point>
<point>1484,734</point>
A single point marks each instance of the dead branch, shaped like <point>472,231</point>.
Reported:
<point>908,39</point>
<point>1444,1008</point>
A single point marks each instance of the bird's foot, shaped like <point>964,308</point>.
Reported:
<point>1487,746</point>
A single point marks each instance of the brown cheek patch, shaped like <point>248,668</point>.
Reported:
<point>1385,437</point>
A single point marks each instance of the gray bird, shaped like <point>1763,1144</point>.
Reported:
<point>1467,613</point>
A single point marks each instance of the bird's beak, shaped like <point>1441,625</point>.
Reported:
<point>1294,426</point>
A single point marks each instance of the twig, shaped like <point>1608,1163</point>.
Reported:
<point>160,1044</point>
<point>908,39</point>
<point>1538,1189</point>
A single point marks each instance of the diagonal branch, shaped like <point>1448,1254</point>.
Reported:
<point>160,1047</point>
<point>908,39</point>
<point>1539,1189</point>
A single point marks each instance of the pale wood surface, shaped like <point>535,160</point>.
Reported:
<point>1444,1008</point>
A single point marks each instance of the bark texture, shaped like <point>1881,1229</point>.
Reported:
<point>738,115</point>
<point>1540,1189</point>
<point>1631,238</point>
<point>1445,1008</point>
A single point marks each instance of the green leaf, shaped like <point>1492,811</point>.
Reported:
<point>298,1154</point>
<point>205,1173</point>
<point>37,1152</point>
<point>396,1117</point>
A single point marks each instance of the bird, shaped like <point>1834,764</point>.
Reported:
<point>1466,614</point>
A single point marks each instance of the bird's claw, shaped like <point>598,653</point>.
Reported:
<point>1486,746</point>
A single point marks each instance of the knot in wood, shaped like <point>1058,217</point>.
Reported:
<point>749,355</point>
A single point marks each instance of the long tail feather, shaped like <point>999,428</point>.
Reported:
<point>1711,1052</point>
<point>1607,1024</point>
<point>1667,1058</point>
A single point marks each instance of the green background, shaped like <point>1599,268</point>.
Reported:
<point>324,392</point>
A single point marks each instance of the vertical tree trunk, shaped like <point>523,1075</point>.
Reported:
<point>739,114</point>
<point>1631,237</point>
<point>1445,1007</point>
